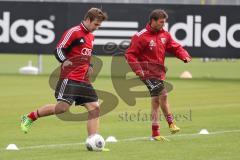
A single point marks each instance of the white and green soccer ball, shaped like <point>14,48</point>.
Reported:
<point>95,142</point>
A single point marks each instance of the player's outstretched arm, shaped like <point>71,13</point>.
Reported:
<point>178,50</point>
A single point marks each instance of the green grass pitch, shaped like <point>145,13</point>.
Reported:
<point>208,101</point>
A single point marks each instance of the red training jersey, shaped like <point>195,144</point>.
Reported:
<point>75,45</point>
<point>146,53</point>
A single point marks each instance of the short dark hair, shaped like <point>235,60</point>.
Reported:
<point>95,13</point>
<point>157,14</point>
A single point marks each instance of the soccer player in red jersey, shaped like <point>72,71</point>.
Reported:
<point>146,55</point>
<point>74,52</point>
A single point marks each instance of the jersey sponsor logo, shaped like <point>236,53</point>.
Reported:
<point>31,31</point>
<point>86,52</point>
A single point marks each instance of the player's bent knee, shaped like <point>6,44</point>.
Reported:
<point>93,109</point>
<point>61,107</point>
<point>95,113</point>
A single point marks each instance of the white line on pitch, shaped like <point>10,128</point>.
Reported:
<point>181,135</point>
<point>122,140</point>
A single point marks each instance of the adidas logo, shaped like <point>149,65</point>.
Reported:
<point>82,40</point>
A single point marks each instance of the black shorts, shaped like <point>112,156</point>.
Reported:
<point>155,86</point>
<point>74,91</point>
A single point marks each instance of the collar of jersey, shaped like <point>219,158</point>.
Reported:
<point>149,28</point>
<point>84,28</point>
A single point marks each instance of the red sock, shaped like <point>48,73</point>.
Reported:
<point>33,116</point>
<point>155,130</point>
<point>169,118</point>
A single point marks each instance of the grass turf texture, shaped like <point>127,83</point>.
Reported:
<point>212,97</point>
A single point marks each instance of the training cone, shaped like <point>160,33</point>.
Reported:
<point>12,147</point>
<point>186,74</point>
<point>29,69</point>
<point>204,131</point>
<point>111,139</point>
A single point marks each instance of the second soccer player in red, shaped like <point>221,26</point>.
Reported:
<point>146,55</point>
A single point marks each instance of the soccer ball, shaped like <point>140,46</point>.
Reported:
<point>95,142</point>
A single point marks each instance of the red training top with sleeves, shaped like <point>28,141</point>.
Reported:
<point>75,45</point>
<point>147,50</point>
